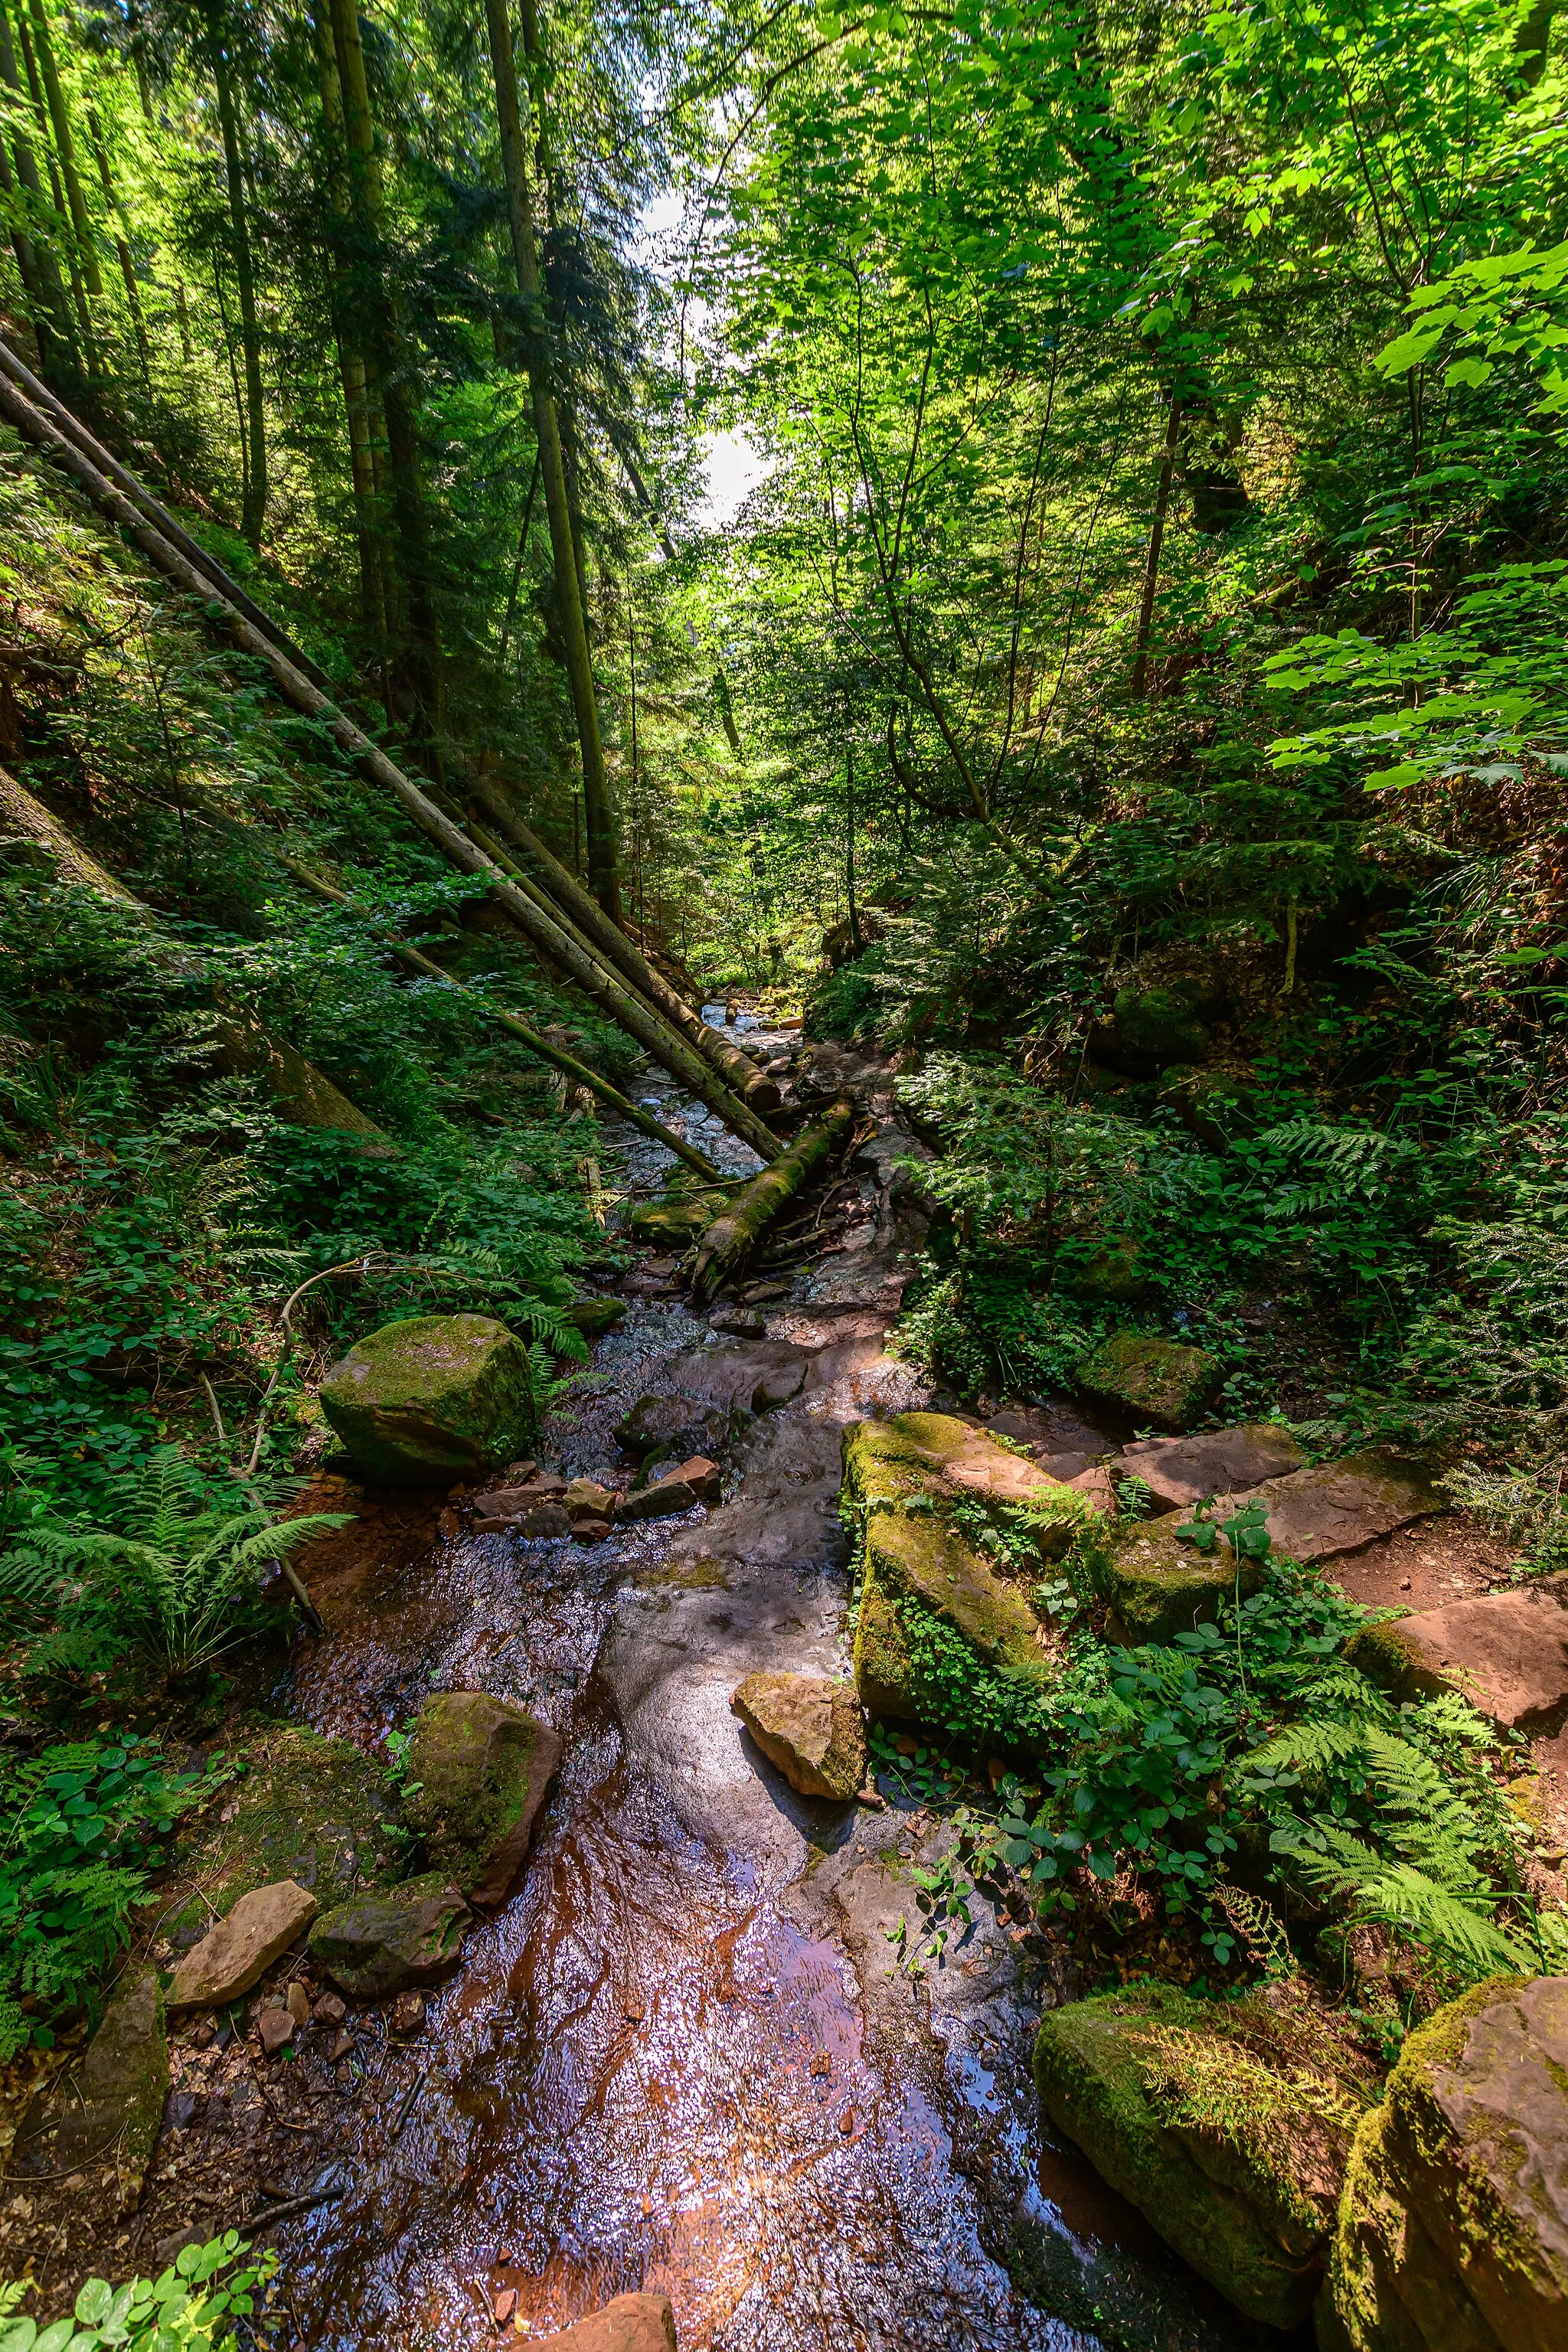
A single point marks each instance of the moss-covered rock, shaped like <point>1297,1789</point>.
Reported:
<point>1454,2221</point>
<point>926,1584</point>
<point>379,1945</point>
<point>478,1771</point>
<point>673,1223</point>
<point>1228,2123</point>
<point>1159,1588</point>
<point>1113,1272</point>
<point>111,2103</point>
<point>1156,1023</point>
<point>1156,1380</point>
<point>594,1317</point>
<point>314,1811</point>
<point>1215,1103</point>
<point>431,1398</point>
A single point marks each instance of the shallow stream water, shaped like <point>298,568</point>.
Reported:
<point>684,2055</point>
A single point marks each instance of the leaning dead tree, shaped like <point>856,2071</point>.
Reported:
<point>730,1241</point>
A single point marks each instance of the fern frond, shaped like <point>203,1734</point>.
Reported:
<point>1306,1745</point>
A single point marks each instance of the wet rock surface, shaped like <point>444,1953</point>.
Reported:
<point>812,1728</point>
<point>478,1768</point>
<point>403,1940</point>
<point>111,2105</point>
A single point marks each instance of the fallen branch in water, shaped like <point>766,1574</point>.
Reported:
<point>731,1238</point>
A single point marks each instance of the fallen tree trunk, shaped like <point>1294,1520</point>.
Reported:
<point>558,1059</point>
<point>630,1012</point>
<point>737,1069</point>
<point>195,553</point>
<point>730,1239</point>
<point>244,1048</point>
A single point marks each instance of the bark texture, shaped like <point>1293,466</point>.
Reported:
<point>728,1244</point>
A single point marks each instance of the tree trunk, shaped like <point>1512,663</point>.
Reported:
<point>420,667</point>
<point>730,1240</point>
<point>631,1012</point>
<point>244,1046</point>
<point>567,1063</point>
<point>66,149</point>
<point>602,861</point>
<point>351,359</point>
<point>127,271</point>
<point>255,514</point>
<point>45,268</point>
<point>1156,541</point>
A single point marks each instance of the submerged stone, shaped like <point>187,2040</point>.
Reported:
<point>478,1769</point>
<point>1155,1379</point>
<point>1453,2230</point>
<point>430,1397</point>
<point>384,1944</point>
<point>632,2322</point>
<point>812,1728</point>
<point>1228,2124</point>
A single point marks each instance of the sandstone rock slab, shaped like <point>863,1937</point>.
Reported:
<point>812,1728</point>
<point>112,2103</point>
<point>661,1500</point>
<point>385,1943</point>
<point>1227,2123</point>
<point>1454,2226</point>
<point>1507,1652</point>
<point>1180,1471</point>
<point>239,1950</point>
<point>430,1396</point>
<point>1340,1506</point>
<point>479,1769</point>
<point>1159,1588</point>
<point>632,2322</point>
<point>1154,1380</point>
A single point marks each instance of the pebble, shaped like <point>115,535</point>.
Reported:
<point>505,2304</point>
<point>343,2042</point>
<point>296,2001</point>
<point>331,2009</point>
<point>277,2028</point>
<point>406,2014</point>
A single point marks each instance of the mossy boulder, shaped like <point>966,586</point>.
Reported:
<point>1217,1104</point>
<point>673,1223</point>
<point>927,1584</point>
<point>1228,2124</point>
<point>1154,1380</point>
<point>434,1397</point>
<point>315,1811</point>
<point>594,1317</point>
<point>478,1771</point>
<point>1112,1271</point>
<point>1455,2216</point>
<point>109,2106</point>
<point>1156,1023</point>
<point>1159,1588</point>
<point>379,1945</point>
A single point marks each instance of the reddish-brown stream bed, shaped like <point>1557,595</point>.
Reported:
<point>684,2055</point>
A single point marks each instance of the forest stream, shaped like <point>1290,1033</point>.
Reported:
<point>684,2054</point>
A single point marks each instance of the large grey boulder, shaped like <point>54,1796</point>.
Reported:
<point>478,1771</point>
<point>433,1397</point>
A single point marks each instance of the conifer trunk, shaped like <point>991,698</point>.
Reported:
<point>604,871</point>
<point>256,487</point>
<point>64,149</point>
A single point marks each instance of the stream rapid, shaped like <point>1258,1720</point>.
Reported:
<point>685,2055</point>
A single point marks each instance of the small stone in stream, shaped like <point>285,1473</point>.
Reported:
<point>1180,1471</point>
<point>737,1323</point>
<point>822,2064</point>
<point>846,2122</point>
<point>296,2001</point>
<point>406,2014</point>
<point>239,1950</point>
<point>657,1502</point>
<point>184,2108</point>
<point>812,1728</point>
<point>661,1266</point>
<point>277,2030</point>
<point>331,2009</point>
<point>504,2306</point>
<point>343,2042</point>
<point>666,1425</point>
<point>586,1499</point>
<point>632,2322</point>
<point>701,1475</point>
<point>516,1474</point>
<point>590,1531</point>
<point>549,1519</point>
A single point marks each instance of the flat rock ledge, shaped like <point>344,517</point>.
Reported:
<point>812,1728</point>
<point>1453,2230</point>
<point>1507,1652</point>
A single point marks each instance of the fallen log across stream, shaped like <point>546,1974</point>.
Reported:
<point>619,1001</point>
<point>730,1240</point>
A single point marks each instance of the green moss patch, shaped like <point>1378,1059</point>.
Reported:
<point>1159,1588</point>
<point>1156,1380</point>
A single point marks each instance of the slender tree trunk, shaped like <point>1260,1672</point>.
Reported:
<point>849,846</point>
<point>350,360</point>
<point>1156,540</point>
<point>47,267</point>
<point>127,270</point>
<point>421,665</point>
<point>66,149</point>
<point>603,863</point>
<point>255,487</point>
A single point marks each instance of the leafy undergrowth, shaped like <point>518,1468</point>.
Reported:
<point>190,2307</point>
